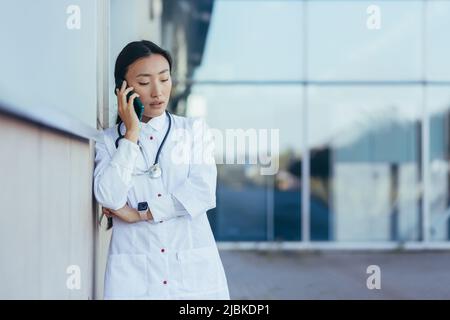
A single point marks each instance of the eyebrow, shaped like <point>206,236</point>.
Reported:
<point>148,74</point>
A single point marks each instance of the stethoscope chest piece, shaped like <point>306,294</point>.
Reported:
<point>155,171</point>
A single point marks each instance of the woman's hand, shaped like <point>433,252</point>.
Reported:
<point>125,213</point>
<point>127,112</point>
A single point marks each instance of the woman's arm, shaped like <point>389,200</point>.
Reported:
<point>113,175</point>
<point>126,214</point>
<point>197,193</point>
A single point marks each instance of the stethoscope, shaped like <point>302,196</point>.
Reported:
<point>155,170</point>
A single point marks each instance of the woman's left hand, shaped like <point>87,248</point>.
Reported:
<point>125,213</point>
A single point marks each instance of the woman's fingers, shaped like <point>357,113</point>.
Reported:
<point>107,212</point>
<point>122,102</point>
<point>123,91</point>
<point>126,107</point>
<point>130,101</point>
<point>124,96</point>
<point>127,90</point>
<point>124,85</point>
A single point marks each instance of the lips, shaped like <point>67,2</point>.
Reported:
<point>157,103</point>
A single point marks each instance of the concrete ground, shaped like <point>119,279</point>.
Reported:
<point>336,275</point>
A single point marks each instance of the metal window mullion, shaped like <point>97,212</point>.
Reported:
<point>305,177</point>
<point>270,208</point>
<point>425,136</point>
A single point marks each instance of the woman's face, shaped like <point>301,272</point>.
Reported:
<point>150,78</point>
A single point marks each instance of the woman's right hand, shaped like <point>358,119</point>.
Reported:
<point>107,212</point>
<point>127,112</point>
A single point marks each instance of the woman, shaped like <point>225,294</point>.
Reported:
<point>149,180</point>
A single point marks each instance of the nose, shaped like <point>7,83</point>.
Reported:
<point>156,90</point>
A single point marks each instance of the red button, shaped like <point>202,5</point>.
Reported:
<point>162,250</point>
<point>165,282</point>
<point>159,194</point>
<point>151,137</point>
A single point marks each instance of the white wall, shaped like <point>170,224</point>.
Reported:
<point>44,63</point>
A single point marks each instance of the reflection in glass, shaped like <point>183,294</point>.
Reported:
<point>437,44</point>
<point>253,40</point>
<point>365,165</point>
<point>365,142</point>
<point>341,46</point>
<point>250,205</point>
<point>438,103</point>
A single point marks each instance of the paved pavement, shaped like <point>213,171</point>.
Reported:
<point>336,275</point>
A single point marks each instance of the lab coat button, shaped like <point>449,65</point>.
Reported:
<point>161,221</point>
<point>165,282</point>
<point>159,194</point>
<point>151,137</point>
<point>162,250</point>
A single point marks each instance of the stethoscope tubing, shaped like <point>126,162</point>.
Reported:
<point>121,136</point>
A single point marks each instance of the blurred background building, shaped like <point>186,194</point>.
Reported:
<point>363,116</point>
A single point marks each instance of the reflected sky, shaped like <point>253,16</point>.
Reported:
<point>262,40</point>
<point>340,116</point>
<point>341,46</point>
<point>253,40</point>
<point>437,40</point>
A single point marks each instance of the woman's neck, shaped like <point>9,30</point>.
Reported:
<point>146,119</point>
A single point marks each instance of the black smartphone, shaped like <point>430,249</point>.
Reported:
<point>138,105</point>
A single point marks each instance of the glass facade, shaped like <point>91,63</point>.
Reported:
<point>341,46</point>
<point>372,135</point>
<point>366,108</point>
<point>252,205</point>
<point>438,106</point>
<point>358,94</point>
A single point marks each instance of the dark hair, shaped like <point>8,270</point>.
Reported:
<point>134,51</point>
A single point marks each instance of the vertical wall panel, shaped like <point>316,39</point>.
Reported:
<point>19,215</point>
<point>81,217</point>
<point>46,220</point>
<point>55,214</point>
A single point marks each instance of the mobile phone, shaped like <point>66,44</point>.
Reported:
<point>138,105</point>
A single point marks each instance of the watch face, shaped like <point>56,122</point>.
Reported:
<point>142,206</point>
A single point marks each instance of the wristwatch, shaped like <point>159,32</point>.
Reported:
<point>143,209</point>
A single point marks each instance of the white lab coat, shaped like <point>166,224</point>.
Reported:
<point>175,255</point>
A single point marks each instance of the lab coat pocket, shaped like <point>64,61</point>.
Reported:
<point>126,276</point>
<point>200,269</point>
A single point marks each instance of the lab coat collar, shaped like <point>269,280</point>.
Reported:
<point>156,123</point>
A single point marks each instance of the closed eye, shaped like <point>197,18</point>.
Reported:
<point>144,84</point>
